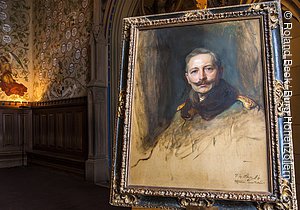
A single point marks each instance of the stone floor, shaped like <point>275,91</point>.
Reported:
<point>35,188</point>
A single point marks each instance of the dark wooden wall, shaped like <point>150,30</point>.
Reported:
<point>60,128</point>
<point>51,134</point>
<point>14,129</point>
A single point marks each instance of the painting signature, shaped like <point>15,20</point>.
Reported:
<point>246,178</point>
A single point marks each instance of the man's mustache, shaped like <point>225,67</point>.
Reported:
<point>203,82</point>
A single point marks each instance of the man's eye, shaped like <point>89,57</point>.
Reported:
<point>194,71</point>
<point>209,69</point>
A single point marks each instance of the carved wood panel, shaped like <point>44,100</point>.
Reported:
<point>43,130</point>
<point>36,129</point>
<point>15,135</point>
<point>78,131</point>
<point>51,129</point>
<point>61,129</point>
<point>9,129</point>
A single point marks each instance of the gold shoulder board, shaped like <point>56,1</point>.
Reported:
<point>180,106</point>
<point>248,103</point>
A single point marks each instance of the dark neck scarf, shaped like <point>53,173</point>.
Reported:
<point>217,100</point>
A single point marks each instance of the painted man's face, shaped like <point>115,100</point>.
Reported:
<point>202,73</point>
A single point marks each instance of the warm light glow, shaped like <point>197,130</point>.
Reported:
<point>201,4</point>
<point>20,101</point>
<point>39,92</point>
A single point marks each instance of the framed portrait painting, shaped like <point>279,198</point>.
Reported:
<point>198,117</point>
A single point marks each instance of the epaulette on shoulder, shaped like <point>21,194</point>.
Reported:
<point>247,102</point>
<point>181,106</point>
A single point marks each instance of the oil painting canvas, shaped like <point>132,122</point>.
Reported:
<point>199,92</point>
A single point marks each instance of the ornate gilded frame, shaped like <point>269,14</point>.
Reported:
<point>282,178</point>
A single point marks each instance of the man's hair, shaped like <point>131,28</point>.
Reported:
<point>199,51</point>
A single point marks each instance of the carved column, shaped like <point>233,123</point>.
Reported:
<point>97,165</point>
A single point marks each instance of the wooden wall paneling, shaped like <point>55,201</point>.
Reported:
<point>15,129</point>
<point>78,128</point>
<point>51,130</point>
<point>20,120</point>
<point>69,131</point>
<point>7,129</point>
<point>10,129</point>
<point>36,130</point>
<point>20,128</point>
<point>65,124</point>
<point>25,132</point>
<point>59,131</point>
<point>1,129</point>
<point>60,134</point>
<point>27,128</point>
<point>44,129</point>
<point>53,134</point>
